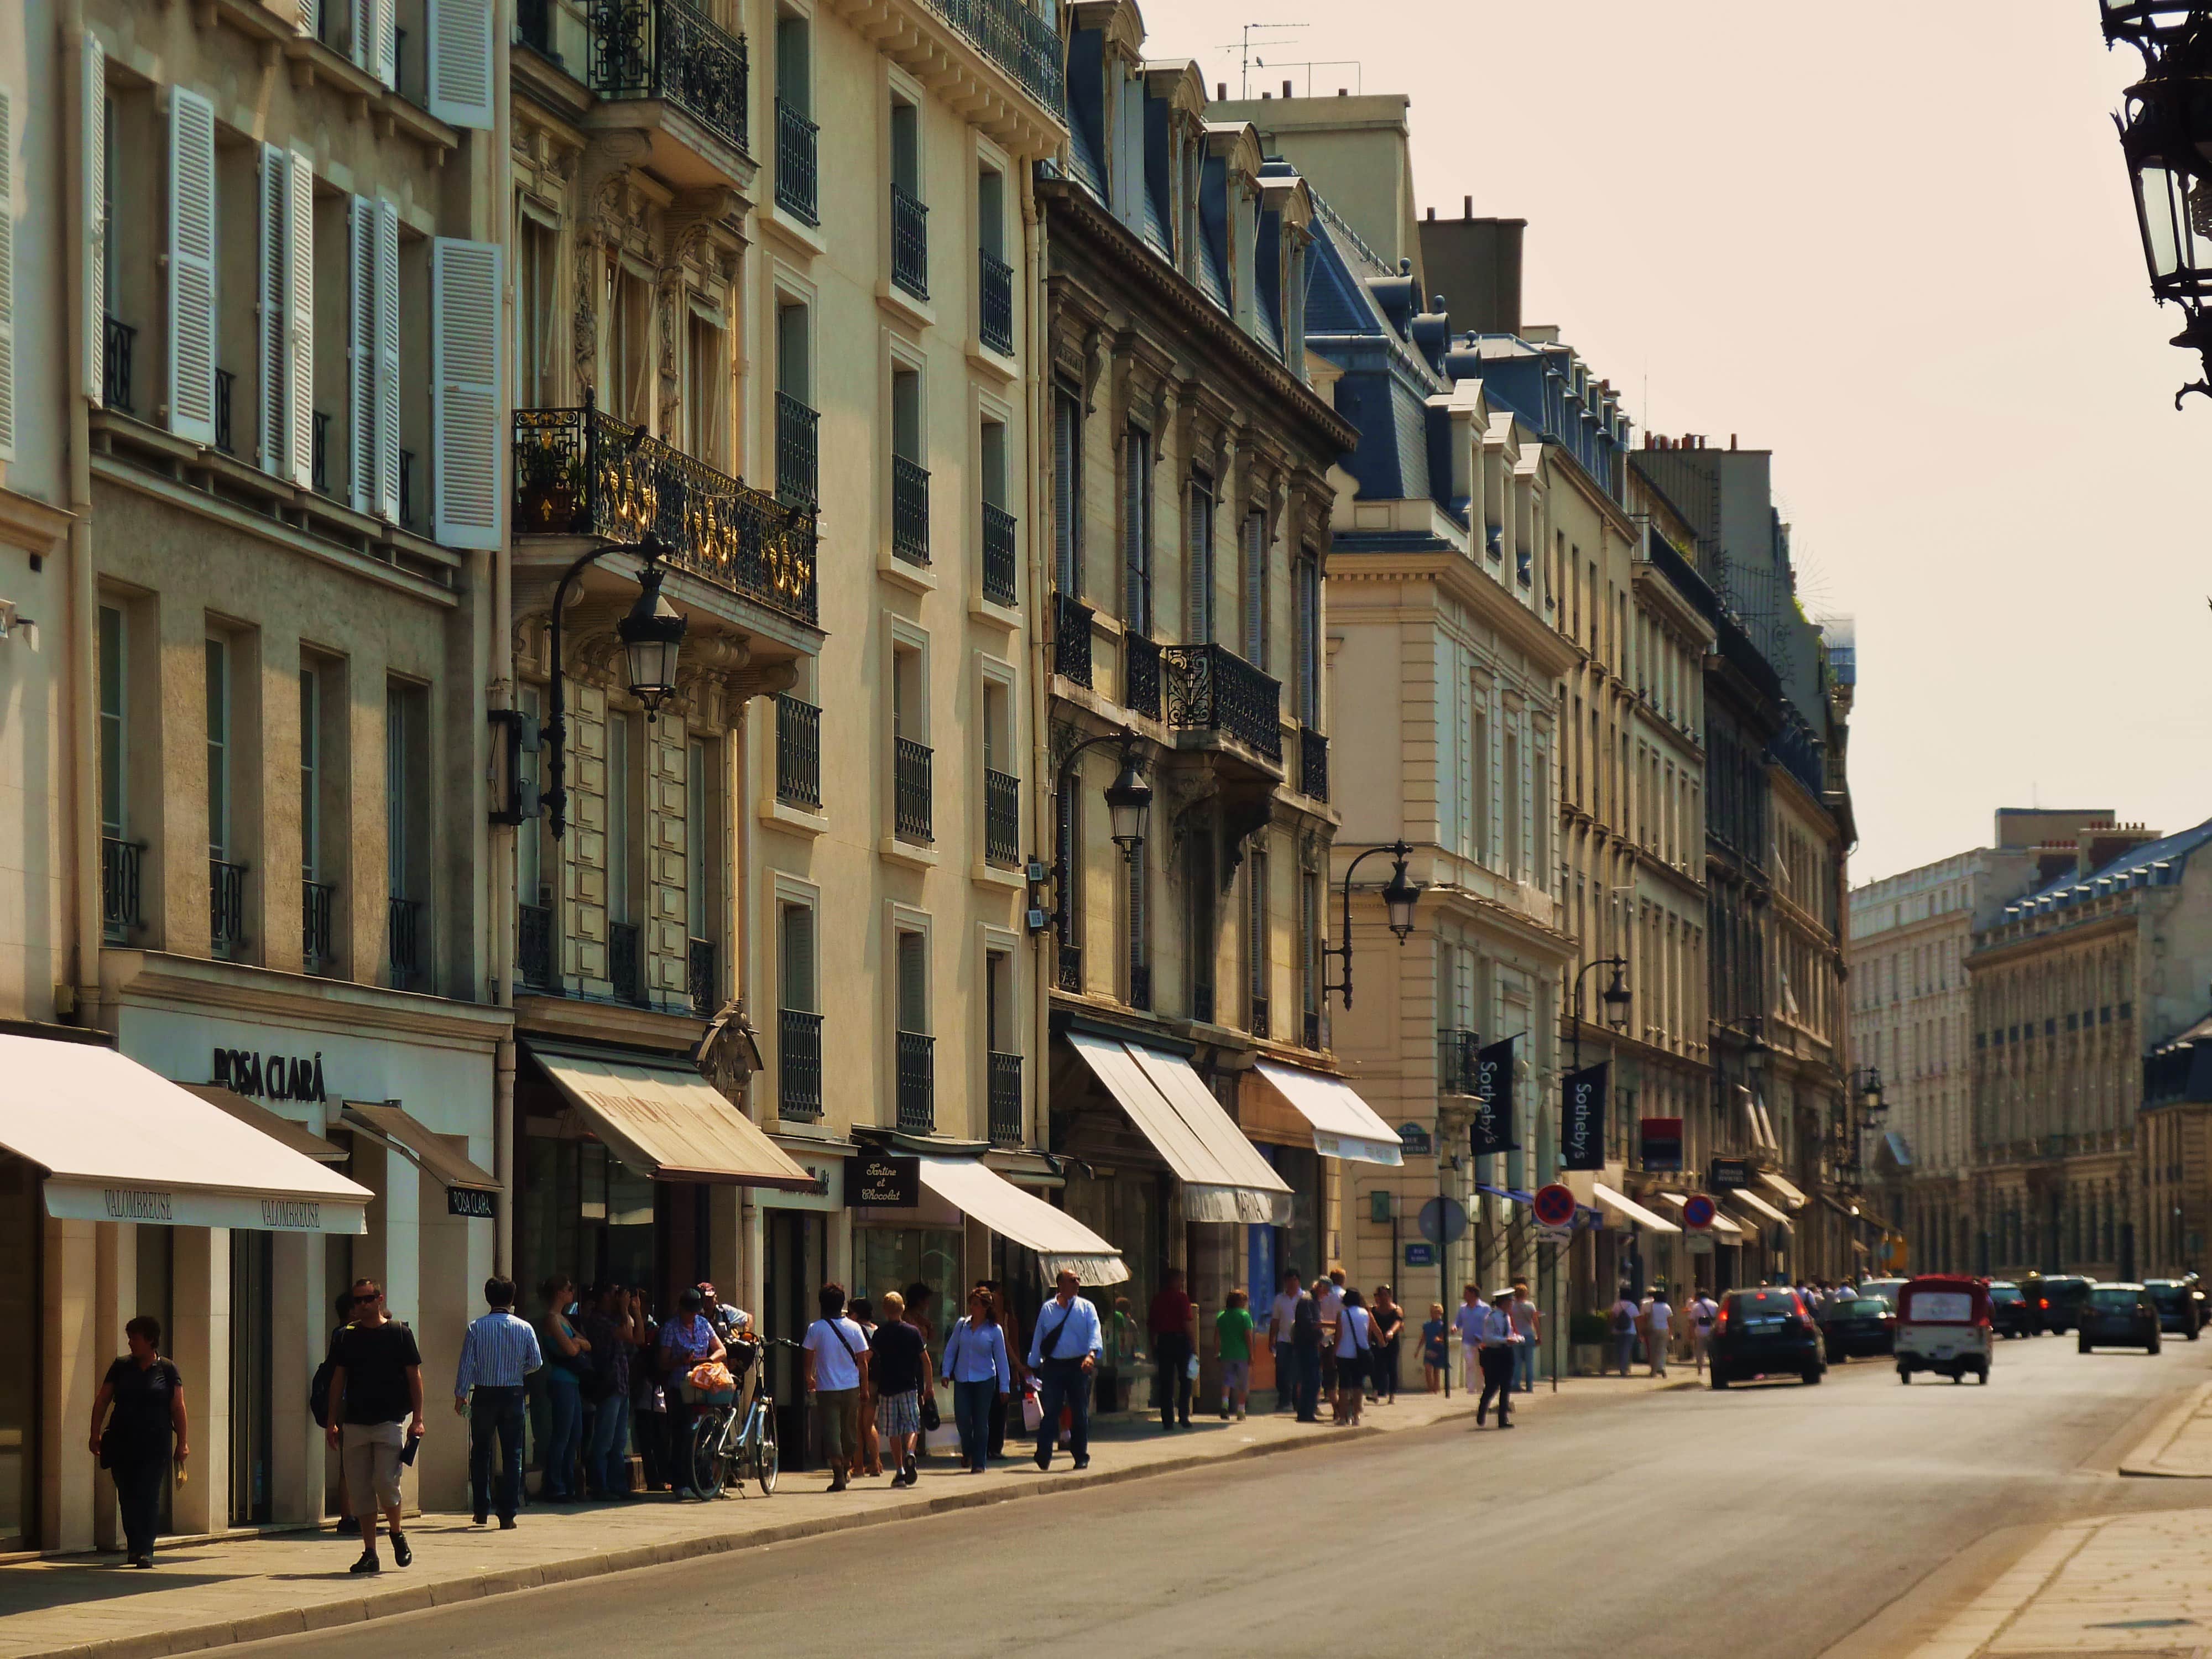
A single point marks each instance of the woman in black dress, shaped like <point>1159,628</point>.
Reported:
<point>149,1400</point>
<point>1390,1325</point>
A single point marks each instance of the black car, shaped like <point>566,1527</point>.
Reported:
<point>2058,1301</point>
<point>2179,1309</point>
<point>1851,1326</point>
<point>2009,1314</point>
<point>2118,1315</point>
<point>1765,1333</point>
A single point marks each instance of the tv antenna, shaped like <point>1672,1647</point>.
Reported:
<point>1268,33</point>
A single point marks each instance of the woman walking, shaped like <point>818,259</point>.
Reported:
<point>975,1364</point>
<point>567,1356</point>
<point>147,1396</point>
<point>1355,1342</point>
<point>1434,1334</point>
<point>1390,1325</point>
<point>868,1455</point>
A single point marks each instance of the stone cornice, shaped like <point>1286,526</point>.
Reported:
<point>202,984</point>
<point>31,524</point>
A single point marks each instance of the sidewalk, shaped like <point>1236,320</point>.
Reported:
<point>239,1589</point>
<point>2180,1447</point>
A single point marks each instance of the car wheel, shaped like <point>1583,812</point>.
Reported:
<point>1719,1380</point>
<point>2083,1345</point>
<point>2153,1347</point>
<point>1813,1378</point>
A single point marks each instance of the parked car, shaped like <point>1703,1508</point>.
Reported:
<point>1854,1325</point>
<point>2179,1303</point>
<point>1887,1288</point>
<point>2058,1301</point>
<point>1765,1333</point>
<point>2118,1315</point>
<point>2009,1314</point>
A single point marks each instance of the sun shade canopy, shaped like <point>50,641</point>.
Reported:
<point>278,1128</point>
<point>1790,1195</point>
<point>1223,1175</point>
<point>669,1124</point>
<point>1762,1212</point>
<point>1344,1124</point>
<point>982,1194</point>
<point>447,1164</point>
<point>1627,1209</point>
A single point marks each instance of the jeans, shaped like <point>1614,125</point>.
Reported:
<point>1171,1359</point>
<point>495,1414</point>
<point>564,1395</point>
<point>606,1463</point>
<point>1307,1366</point>
<point>1064,1384</point>
<point>972,1407</point>
<point>1497,1382</point>
<point>1624,1349</point>
<point>1286,1377</point>
<point>1382,1380</point>
<point>1524,1366</point>
<point>999,1425</point>
<point>138,1493</point>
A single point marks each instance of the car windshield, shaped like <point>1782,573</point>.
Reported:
<point>1864,1307</point>
<point>2164,1294</point>
<point>2006,1293</point>
<point>2114,1297</point>
<point>1762,1304</point>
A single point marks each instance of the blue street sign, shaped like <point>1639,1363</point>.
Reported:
<point>1421,1255</point>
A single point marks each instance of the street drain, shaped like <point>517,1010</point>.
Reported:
<point>2143,1624</point>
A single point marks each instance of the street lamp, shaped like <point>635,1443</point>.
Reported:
<point>652,635</point>
<point>1866,1085</point>
<point>1399,898</point>
<point>1128,805</point>
<point>1615,996</point>
<point>2165,135</point>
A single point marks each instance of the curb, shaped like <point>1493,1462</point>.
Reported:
<point>2142,1461</point>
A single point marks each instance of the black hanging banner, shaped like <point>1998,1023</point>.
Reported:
<point>1582,1127</point>
<point>1492,1130</point>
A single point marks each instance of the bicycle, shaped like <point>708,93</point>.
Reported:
<point>734,1442</point>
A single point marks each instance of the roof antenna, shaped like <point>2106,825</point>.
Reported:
<point>1242,48</point>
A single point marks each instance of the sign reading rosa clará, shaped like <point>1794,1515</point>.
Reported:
<point>467,1201</point>
<point>1492,1130</point>
<point>873,1179</point>
<point>271,1076</point>
<point>1582,1119</point>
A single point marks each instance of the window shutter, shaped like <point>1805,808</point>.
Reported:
<point>1255,590</point>
<point>360,350</point>
<point>798,987</point>
<point>273,346</point>
<point>7,277</point>
<point>387,360</point>
<point>465,286</point>
<point>1064,504</point>
<point>300,320</point>
<point>1198,576</point>
<point>93,189</point>
<point>1135,589</point>
<point>1139,928</point>
<point>913,983</point>
<point>376,39</point>
<point>1309,639</point>
<point>192,266</point>
<point>460,62</point>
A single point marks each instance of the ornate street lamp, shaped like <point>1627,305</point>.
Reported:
<point>652,635</point>
<point>1866,1085</point>
<point>1399,898</point>
<point>1615,996</point>
<point>1129,806</point>
<point>2165,135</point>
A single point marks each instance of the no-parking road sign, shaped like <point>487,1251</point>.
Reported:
<point>1554,1205</point>
<point>1697,1211</point>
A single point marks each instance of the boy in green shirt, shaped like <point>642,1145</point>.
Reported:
<point>1233,1346</point>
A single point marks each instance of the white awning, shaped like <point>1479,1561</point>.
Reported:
<point>1761,1211</point>
<point>121,1143</point>
<point>669,1124</point>
<point>1627,1209</point>
<point>1059,1239</point>
<point>420,1145</point>
<point>1224,1176</point>
<point>1344,1124</point>
<point>1790,1195</point>
<point>1721,1222</point>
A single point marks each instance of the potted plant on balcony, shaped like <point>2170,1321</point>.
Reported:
<point>1586,1340</point>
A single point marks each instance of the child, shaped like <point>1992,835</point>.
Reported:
<point>1233,1346</point>
<point>1432,1347</point>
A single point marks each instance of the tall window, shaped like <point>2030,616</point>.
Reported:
<point>629,344</point>
<point>698,775</point>
<point>218,748</point>
<point>1137,530</point>
<point>1253,580</point>
<point>913,980</point>
<point>1310,958</point>
<point>529,839</point>
<point>1513,805</point>
<point>1256,941</point>
<point>396,791</point>
<point>538,311</point>
<point>112,798</point>
<point>407,838</point>
<point>798,1026</point>
<point>1068,491</point>
<point>311,762</point>
<point>622,761</point>
<point>707,382</point>
<point>1307,622</point>
<point>1137,924</point>
<point>1200,946</point>
<point>1479,766</point>
<point>795,972</point>
<point>1198,564</point>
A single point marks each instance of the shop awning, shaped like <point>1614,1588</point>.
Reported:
<point>1059,1239</point>
<point>1627,1209</point>
<point>1790,1195</point>
<point>667,1124</point>
<point>278,1128</point>
<point>121,1143</point>
<point>1510,1195</point>
<point>1722,1223</point>
<point>450,1167</point>
<point>1762,1212</point>
<point>1344,1124</point>
<point>1223,1175</point>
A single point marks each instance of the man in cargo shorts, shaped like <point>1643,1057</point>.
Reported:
<point>376,1414</point>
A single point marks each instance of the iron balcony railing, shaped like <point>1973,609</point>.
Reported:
<point>120,884</point>
<point>1071,639</point>
<point>319,455</point>
<point>1070,977</point>
<point>799,1065</point>
<point>403,927</point>
<point>909,242</point>
<point>796,145</point>
<point>1140,675</point>
<point>534,950</point>
<point>1002,819</point>
<point>1019,38</point>
<point>626,960</point>
<point>797,454</point>
<point>1005,1084</point>
<point>996,304</point>
<point>798,752</point>
<point>1312,764</point>
<point>1312,1033</point>
<point>1458,1072</point>
<point>1211,688</point>
<point>318,945</point>
<point>579,472</point>
<point>911,786</point>
<point>699,979</point>
<point>910,510</point>
<point>1201,1001</point>
<point>669,49</point>
<point>1260,1011</point>
<point>1140,986</point>
<point>999,558</point>
<point>226,383</point>
<point>226,904</point>
<point>117,341</point>
<point>917,1082</point>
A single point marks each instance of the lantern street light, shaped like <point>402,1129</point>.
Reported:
<point>1128,806</point>
<point>2166,137</point>
<point>652,635</point>
<point>1615,996</point>
<point>1400,895</point>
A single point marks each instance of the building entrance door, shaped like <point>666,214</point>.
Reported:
<point>796,1264</point>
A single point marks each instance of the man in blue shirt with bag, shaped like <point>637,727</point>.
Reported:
<point>1064,1352</point>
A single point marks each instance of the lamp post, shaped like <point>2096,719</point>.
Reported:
<point>1128,806</point>
<point>1399,898</point>
<point>1614,996</point>
<point>652,635</point>
<point>2166,137</point>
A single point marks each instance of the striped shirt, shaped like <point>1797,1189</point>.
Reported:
<point>498,1353</point>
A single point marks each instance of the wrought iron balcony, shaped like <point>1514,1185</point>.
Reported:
<point>1070,977</point>
<point>1211,688</point>
<point>797,456</point>
<point>996,305</point>
<point>1018,39</point>
<point>999,561</point>
<point>402,928</point>
<point>670,50</point>
<point>226,905</point>
<point>1002,819</point>
<point>626,960</point>
<point>799,1065</point>
<point>917,1082</point>
<point>1312,764</point>
<point>1312,1033</point>
<point>1260,1016</point>
<point>911,786</point>
<point>699,979</point>
<point>797,753</point>
<point>119,884</point>
<point>1140,985</point>
<point>317,943</point>
<point>1458,1071</point>
<point>909,242</point>
<point>226,383</point>
<point>1006,1083</point>
<point>910,510</point>
<point>1071,639</point>
<point>117,344</point>
<point>1140,675</point>
<point>533,949</point>
<point>579,472</point>
<point>796,147</point>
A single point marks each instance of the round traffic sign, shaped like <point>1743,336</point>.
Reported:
<point>1442,1221</point>
<point>1554,1205</point>
<point>1697,1211</point>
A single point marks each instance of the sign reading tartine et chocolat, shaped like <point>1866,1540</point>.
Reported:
<point>878,1179</point>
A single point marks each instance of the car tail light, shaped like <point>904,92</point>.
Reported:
<point>1720,1324</point>
<point>2043,1302</point>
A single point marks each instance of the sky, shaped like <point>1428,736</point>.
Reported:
<point>1893,243</point>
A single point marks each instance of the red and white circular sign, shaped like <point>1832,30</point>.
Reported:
<point>1554,1205</point>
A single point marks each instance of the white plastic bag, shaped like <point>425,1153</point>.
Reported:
<point>1032,1411</point>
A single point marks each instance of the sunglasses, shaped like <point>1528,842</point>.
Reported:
<point>372,1296</point>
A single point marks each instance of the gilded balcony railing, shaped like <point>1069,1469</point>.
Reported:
<point>670,49</point>
<point>1210,687</point>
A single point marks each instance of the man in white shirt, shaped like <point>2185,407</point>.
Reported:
<point>1472,1312</point>
<point>1658,1331</point>
<point>1496,1342</point>
<point>1702,1311</point>
<point>836,1360</point>
<point>1279,1320</point>
<point>1328,1302</point>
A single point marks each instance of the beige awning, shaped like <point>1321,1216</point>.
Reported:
<point>1224,1176</point>
<point>669,1124</point>
<point>446,1165</point>
<point>1762,1212</point>
<point>1790,1195</point>
<point>119,1142</point>
<point>1344,1124</point>
<point>1627,1209</point>
<point>278,1128</point>
<point>1722,1223</point>
<point>982,1194</point>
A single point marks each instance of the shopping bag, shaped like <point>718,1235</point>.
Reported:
<point>1032,1411</point>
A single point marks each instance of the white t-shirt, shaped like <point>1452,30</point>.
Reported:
<point>1286,1313</point>
<point>1328,1302</point>
<point>836,1365</point>
<point>1703,1310</point>
<point>1661,1318</point>
<point>1524,1317</point>
<point>1470,1319</point>
<point>1355,1333</point>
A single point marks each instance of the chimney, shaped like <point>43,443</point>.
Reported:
<point>1221,91</point>
<point>1287,89</point>
<point>1731,441</point>
<point>1432,213</point>
<point>1265,95</point>
<point>1467,207</point>
<point>1344,92</point>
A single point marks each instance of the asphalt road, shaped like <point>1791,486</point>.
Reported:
<point>1771,1520</point>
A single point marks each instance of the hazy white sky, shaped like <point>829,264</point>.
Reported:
<point>1893,243</point>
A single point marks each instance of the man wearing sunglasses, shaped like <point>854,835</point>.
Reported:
<point>376,1414</point>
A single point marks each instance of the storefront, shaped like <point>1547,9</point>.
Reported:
<point>1768,1230</point>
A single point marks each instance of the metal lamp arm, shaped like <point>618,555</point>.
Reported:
<point>1059,851</point>
<point>1342,949</point>
<point>554,796</point>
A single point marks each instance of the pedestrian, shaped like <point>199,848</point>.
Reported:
<point>1624,1317</point>
<point>568,1357</point>
<point>1390,1325</point>
<point>1494,1350</point>
<point>648,1393</point>
<point>1355,1341</point>
<point>1232,1350</point>
<point>975,1362</point>
<point>498,1351</point>
<point>896,1372</point>
<point>1173,1324</point>
<point>1282,1315</point>
<point>376,1417</point>
<point>1010,1338</point>
<point>1064,1352</point>
<point>1435,1335</point>
<point>1472,1312</point>
<point>1306,1339</point>
<point>319,1404</point>
<point>921,1302</point>
<point>684,1342</point>
<point>837,1362</point>
<point>1658,1331</point>
<point>606,1385</point>
<point>868,1455</point>
<point>1702,1311</point>
<point>1530,1325</point>
<point>146,1394</point>
<point>1328,1302</point>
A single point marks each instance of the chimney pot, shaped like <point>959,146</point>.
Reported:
<point>1467,207</point>
<point>1287,89</point>
<point>1221,91</point>
<point>1432,213</point>
<point>1731,441</point>
<point>1344,92</point>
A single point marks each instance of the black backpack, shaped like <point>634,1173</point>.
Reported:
<point>318,1390</point>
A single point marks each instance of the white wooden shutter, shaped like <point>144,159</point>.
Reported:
<point>192,266</point>
<point>360,351</point>
<point>464,425</point>
<point>460,62</point>
<point>7,276</point>
<point>309,11</point>
<point>271,348</point>
<point>299,319</point>
<point>376,39</point>
<point>387,360</point>
<point>93,186</point>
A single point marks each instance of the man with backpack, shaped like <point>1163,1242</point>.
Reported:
<point>1625,1317</point>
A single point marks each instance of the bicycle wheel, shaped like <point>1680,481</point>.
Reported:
<point>709,1470</point>
<point>766,1461</point>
